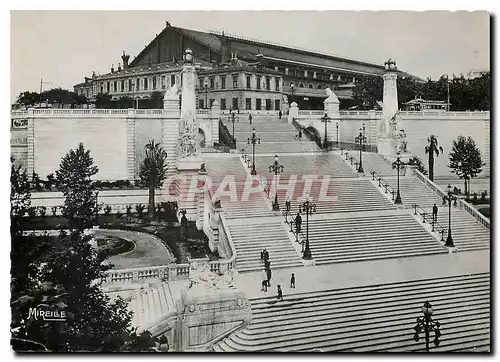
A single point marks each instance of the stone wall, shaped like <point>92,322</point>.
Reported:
<point>105,137</point>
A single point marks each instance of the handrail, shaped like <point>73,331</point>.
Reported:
<point>383,183</point>
<point>429,183</point>
<point>231,262</point>
<point>474,212</point>
<point>425,215</point>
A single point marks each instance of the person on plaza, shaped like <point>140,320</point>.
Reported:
<point>250,118</point>
<point>288,204</point>
<point>262,256</point>
<point>268,275</point>
<point>292,281</point>
<point>300,134</point>
<point>435,213</point>
<point>298,222</point>
<point>264,280</point>
<point>280,114</point>
<point>265,255</point>
<point>444,200</point>
<point>280,293</point>
<point>267,264</point>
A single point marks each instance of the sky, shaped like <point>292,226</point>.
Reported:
<point>63,47</point>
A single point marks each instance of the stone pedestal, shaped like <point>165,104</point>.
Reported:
<point>214,222</point>
<point>294,112</point>
<point>186,185</point>
<point>209,310</point>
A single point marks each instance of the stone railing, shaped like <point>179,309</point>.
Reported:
<point>156,112</point>
<point>93,112</point>
<point>203,111</point>
<point>172,271</point>
<point>429,183</point>
<point>311,113</point>
<point>477,114</point>
<point>19,114</point>
<point>462,204</point>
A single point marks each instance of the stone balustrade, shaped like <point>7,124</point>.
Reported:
<point>429,183</point>
<point>462,204</point>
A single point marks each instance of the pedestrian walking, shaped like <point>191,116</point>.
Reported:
<point>262,256</point>
<point>280,293</point>
<point>265,254</point>
<point>288,204</point>
<point>280,114</point>
<point>300,134</point>
<point>264,280</point>
<point>298,222</point>
<point>250,118</point>
<point>292,281</point>
<point>435,213</point>
<point>267,264</point>
<point>268,275</point>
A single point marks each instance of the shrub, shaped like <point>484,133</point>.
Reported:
<point>107,210</point>
<point>42,211</point>
<point>139,208</point>
<point>32,211</point>
<point>129,211</point>
<point>54,210</point>
<point>119,215</point>
<point>50,181</point>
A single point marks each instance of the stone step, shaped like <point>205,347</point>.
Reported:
<point>360,321</point>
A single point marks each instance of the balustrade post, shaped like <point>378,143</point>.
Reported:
<point>415,206</point>
<point>379,185</point>
<point>373,175</point>
<point>442,235</point>
<point>385,188</point>
<point>392,192</point>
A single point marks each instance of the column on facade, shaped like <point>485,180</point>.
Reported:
<point>214,127</point>
<point>130,133</point>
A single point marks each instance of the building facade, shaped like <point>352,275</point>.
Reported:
<point>302,75</point>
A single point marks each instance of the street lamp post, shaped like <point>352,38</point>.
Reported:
<point>253,140</point>
<point>292,91</point>
<point>308,208</point>
<point>206,95</point>
<point>277,168</point>
<point>361,139</point>
<point>427,325</point>
<point>326,119</point>
<point>449,239</point>
<point>337,134</point>
<point>398,164</point>
<point>233,118</point>
<point>364,145</point>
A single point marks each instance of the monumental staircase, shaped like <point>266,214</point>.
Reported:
<point>276,136</point>
<point>251,238</point>
<point>362,238</point>
<point>374,318</point>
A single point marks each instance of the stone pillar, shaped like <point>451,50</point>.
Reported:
<point>332,110</point>
<point>215,212</point>
<point>294,112</point>
<point>131,171</point>
<point>30,165</point>
<point>170,133</point>
<point>200,199</point>
<point>214,126</point>
<point>390,108</point>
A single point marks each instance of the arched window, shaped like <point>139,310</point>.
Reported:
<point>301,85</point>
<point>311,86</point>
<point>319,86</point>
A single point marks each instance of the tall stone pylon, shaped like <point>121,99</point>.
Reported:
<point>390,108</point>
<point>189,159</point>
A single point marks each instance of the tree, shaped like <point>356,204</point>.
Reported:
<point>153,170</point>
<point>156,100</point>
<point>367,91</point>
<point>416,161</point>
<point>28,98</point>
<point>432,148</point>
<point>125,102</point>
<point>103,100</point>
<point>27,256</point>
<point>465,160</point>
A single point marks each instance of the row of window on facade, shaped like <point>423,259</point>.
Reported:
<point>260,104</point>
<point>132,85</point>
<point>314,74</point>
<point>262,82</point>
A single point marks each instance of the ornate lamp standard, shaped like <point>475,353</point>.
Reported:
<point>325,119</point>
<point>233,118</point>
<point>277,168</point>
<point>361,139</point>
<point>398,164</point>
<point>292,90</point>
<point>449,239</point>
<point>427,324</point>
<point>308,208</point>
<point>206,94</point>
<point>253,140</point>
<point>337,134</point>
<point>364,145</point>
